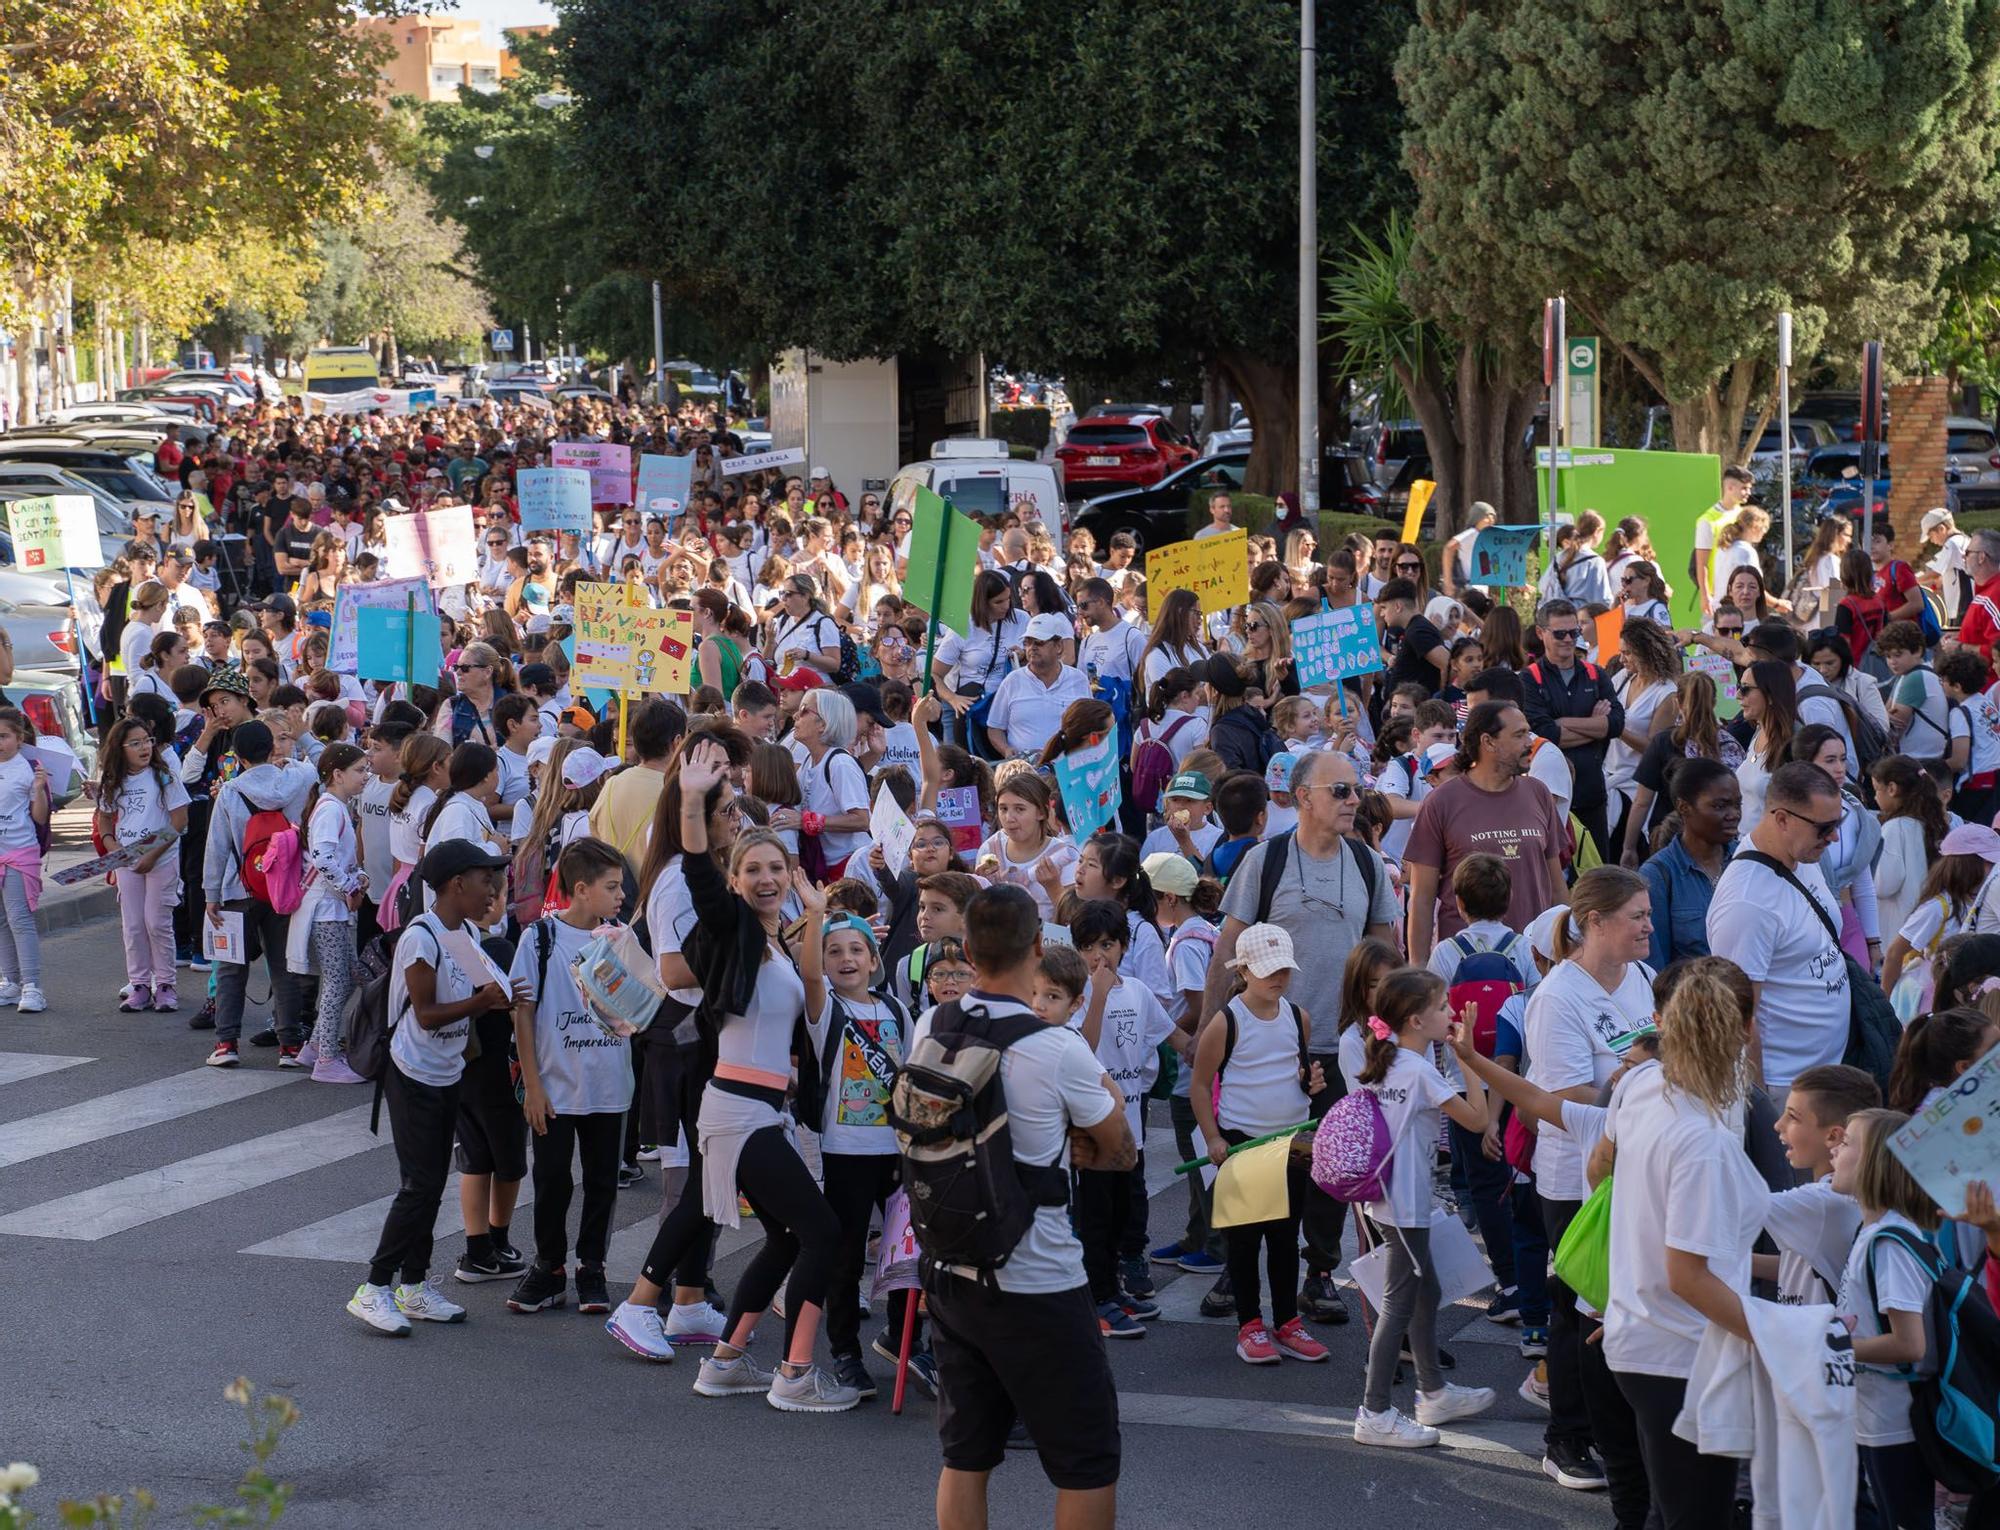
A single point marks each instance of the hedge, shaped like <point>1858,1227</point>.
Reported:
<point>1021,427</point>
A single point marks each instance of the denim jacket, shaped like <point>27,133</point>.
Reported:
<point>1681,892</point>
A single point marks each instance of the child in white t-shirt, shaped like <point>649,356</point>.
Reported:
<point>138,795</point>
<point>1814,1225</point>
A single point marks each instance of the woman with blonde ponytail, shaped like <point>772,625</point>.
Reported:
<point>1686,1207</point>
<point>1580,1019</point>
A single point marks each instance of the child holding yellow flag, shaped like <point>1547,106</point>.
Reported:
<point>1256,1045</point>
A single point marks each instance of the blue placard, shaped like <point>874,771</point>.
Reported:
<point>397,644</point>
<point>1088,780</point>
<point>1500,555</point>
<point>555,499</point>
<point>664,485</point>
<point>423,398</point>
<point>1332,645</point>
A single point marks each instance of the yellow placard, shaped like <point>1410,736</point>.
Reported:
<point>1420,498</point>
<point>1216,568</point>
<point>631,649</point>
<point>1250,1186</point>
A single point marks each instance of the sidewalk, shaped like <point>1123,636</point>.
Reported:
<point>65,908</point>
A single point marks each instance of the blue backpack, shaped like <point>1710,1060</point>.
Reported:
<point>1953,1412</point>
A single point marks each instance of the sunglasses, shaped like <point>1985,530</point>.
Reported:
<point>1340,791</point>
<point>1563,634</point>
<point>1253,626</point>
<point>1822,829</point>
<point>1417,567</point>
<point>463,669</point>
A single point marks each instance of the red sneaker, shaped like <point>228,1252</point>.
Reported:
<point>224,1055</point>
<point>1253,1344</point>
<point>1296,1342</point>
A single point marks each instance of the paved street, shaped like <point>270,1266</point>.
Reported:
<point>164,1228</point>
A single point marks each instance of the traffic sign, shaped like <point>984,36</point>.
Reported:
<point>503,340</point>
<point>1583,390</point>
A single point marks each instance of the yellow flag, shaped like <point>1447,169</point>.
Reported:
<point>1420,498</point>
<point>1250,1186</point>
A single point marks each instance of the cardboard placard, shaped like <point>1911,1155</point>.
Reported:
<point>55,531</point>
<point>757,462</point>
<point>1332,645</point>
<point>398,645</point>
<point>1088,780</point>
<point>892,830</point>
<point>1500,555</point>
<point>630,648</point>
<point>344,642</point>
<point>665,484</point>
<point>555,499</point>
<point>440,546</point>
<point>1217,569</point>
<point>1953,1138</point>
<point>608,464</point>
<point>944,556</point>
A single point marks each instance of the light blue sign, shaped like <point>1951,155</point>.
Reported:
<point>1332,645</point>
<point>423,398</point>
<point>1088,780</point>
<point>1500,555</point>
<point>664,485</point>
<point>398,644</point>
<point>503,339</point>
<point>555,499</point>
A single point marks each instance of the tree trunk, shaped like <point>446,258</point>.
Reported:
<point>1270,395</point>
<point>1214,401</point>
<point>1430,401</point>
<point>391,358</point>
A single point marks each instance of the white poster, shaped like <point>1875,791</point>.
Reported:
<point>440,546</point>
<point>756,462</point>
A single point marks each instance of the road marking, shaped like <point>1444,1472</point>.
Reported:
<point>350,1237</point>
<point>1497,1437</point>
<point>15,1066</point>
<point>129,1110</point>
<point>138,1199</point>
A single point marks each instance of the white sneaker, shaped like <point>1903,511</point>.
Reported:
<point>697,1323</point>
<point>376,1306</point>
<point>649,1155</point>
<point>427,1304</point>
<point>1534,1389</point>
<point>32,1002</point>
<point>813,1391</point>
<point>727,1378</point>
<point>1390,1428</point>
<point>1450,1402</point>
<point>11,992</point>
<point>639,1329</point>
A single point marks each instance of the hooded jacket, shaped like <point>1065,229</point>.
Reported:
<point>261,788</point>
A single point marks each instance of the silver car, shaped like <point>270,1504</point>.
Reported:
<point>43,635</point>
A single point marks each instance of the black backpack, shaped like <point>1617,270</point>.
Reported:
<point>970,1200</point>
<point>1951,1413</point>
<point>366,1017</point>
<point>1278,851</point>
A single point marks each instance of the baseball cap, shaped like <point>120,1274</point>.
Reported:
<point>804,678</point>
<point>1935,518</point>
<point>820,472</point>
<point>1189,783</point>
<point>454,858</point>
<point>1050,627</point>
<point>1264,949</point>
<point>1972,839</point>
<point>1220,671</point>
<point>540,750</point>
<point>1170,873</point>
<point>319,619</point>
<point>1278,774</point>
<point>284,605</point>
<point>867,701</point>
<point>1541,930</point>
<point>583,766</point>
<point>1437,756</point>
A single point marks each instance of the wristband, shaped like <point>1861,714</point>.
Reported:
<point>812,823</point>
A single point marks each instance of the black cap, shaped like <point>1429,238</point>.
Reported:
<point>534,676</point>
<point>1220,671</point>
<point>867,701</point>
<point>454,858</point>
<point>284,605</point>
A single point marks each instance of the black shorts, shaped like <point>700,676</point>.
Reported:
<point>1040,1357</point>
<point>492,1128</point>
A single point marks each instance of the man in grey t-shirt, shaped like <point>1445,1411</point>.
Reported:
<point>1323,901</point>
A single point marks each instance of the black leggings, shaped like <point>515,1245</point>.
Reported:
<point>856,1183</point>
<point>596,1139</point>
<point>679,1255</point>
<point>1691,1491</point>
<point>801,1233</point>
<point>1279,1241</point>
<point>1900,1484</point>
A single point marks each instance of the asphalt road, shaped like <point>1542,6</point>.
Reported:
<point>165,1228</point>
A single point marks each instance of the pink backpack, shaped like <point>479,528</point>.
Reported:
<point>1153,763</point>
<point>1351,1149</point>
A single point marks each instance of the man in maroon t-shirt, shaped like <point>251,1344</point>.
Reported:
<point>1493,808</point>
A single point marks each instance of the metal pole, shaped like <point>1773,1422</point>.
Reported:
<point>1785,434</point>
<point>659,350</point>
<point>1308,261</point>
<point>1558,381</point>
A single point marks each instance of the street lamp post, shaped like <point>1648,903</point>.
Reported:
<point>1785,433</point>
<point>659,350</point>
<point>1308,262</point>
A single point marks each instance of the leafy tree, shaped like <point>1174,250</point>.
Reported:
<point>1684,170</point>
<point>866,176</point>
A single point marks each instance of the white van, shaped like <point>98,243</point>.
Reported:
<point>979,478</point>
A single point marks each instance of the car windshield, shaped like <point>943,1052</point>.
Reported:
<point>976,496</point>
<point>127,484</point>
<point>330,385</point>
<point>1107,435</point>
<point>1968,441</point>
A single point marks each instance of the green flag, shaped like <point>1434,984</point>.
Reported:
<point>944,556</point>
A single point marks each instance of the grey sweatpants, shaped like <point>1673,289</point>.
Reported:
<point>1409,1306</point>
<point>20,941</point>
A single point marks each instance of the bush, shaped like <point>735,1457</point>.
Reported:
<point>1021,427</point>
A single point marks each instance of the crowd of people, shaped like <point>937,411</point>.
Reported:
<point>1542,907</point>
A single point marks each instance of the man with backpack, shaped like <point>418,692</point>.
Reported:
<point>252,853</point>
<point>1015,1333</point>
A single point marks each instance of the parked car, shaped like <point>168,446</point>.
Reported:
<point>1388,445</point>
<point>1972,462</point>
<point>30,480</point>
<point>52,703</point>
<point>755,435</point>
<point>573,392</point>
<point>1839,408</point>
<point>1122,451</point>
<point>979,477</point>
<point>108,413</point>
<point>1808,435</point>
<point>1158,513</point>
<point>126,475</point>
<point>43,637</point>
<point>519,390</point>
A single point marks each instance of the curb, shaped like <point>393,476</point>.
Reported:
<point>75,911</point>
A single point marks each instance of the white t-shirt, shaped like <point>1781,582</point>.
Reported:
<point>432,1057</point>
<point>835,785</point>
<point>513,776</point>
<point>1115,653</point>
<point>899,747</point>
<point>1162,842</point>
<point>143,806</point>
<point>1127,1044</point>
<point>1683,1182</point>
<point>1401,777</point>
<point>1485,935</point>
<point>1412,1096</point>
<point>1021,874</point>
<point>1167,657</point>
<point>1572,1022</point>
<point>1927,736</point>
<point>585,1070</point>
<point>670,920</point>
<point>376,858</point>
<point>1027,713</point>
<point>816,632</point>
<point>1981,715</point>
<point>1882,1402</point>
<point>17,823</point>
<point>406,829</point>
<point>1761,923</point>
<point>1814,1227</point>
<point>1052,1082</point>
<point>134,644</point>
<point>857,1087</point>
<point>1550,766</point>
<point>980,657</point>
<point>462,817</point>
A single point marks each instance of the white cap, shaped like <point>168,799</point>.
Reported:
<point>540,750</point>
<point>1935,518</point>
<point>1541,931</point>
<point>1264,949</point>
<point>1439,755</point>
<point>820,472</point>
<point>1051,627</point>
<point>583,766</point>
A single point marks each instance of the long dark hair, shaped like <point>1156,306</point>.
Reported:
<point>111,758</point>
<point>1916,797</point>
<point>471,763</point>
<point>1931,1050</point>
<point>332,759</point>
<point>988,585</point>
<point>1780,690</point>
<point>1119,859</point>
<point>416,760</point>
